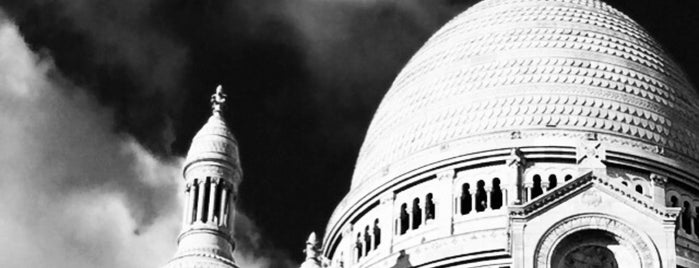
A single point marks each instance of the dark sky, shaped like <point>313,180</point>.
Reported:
<point>303,76</point>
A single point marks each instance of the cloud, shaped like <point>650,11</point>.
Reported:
<point>73,191</point>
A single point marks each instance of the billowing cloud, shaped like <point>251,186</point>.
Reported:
<point>73,191</point>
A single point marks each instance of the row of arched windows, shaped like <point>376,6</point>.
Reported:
<point>412,218</point>
<point>687,222</point>
<point>207,201</point>
<point>638,188</point>
<point>477,199</point>
<point>538,186</point>
<point>368,240</point>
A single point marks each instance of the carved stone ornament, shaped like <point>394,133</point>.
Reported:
<point>658,180</point>
<point>591,198</point>
<point>628,236</point>
<point>591,154</point>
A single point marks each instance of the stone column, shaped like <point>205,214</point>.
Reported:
<point>387,225</point>
<point>212,200</point>
<point>200,205</point>
<point>516,162</point>
<point>223,221</point>
<point>528,186</point>
<point>187,207</point>
<point>472,191</point>
<point>658,183</point>
<point>443,204</point>
<point>349,241</point>
<point>488,197</point>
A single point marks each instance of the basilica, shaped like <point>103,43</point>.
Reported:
<point>523,134</point>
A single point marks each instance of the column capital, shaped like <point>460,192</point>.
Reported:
<point>658,180</point>
<point>516,158</point>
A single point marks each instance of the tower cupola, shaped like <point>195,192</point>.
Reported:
<point>212,174</point>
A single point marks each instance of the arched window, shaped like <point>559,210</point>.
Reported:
<point>568,177</point>
<point>367,240</point>
<point>417,213</point>
<point>674,204</point>
<point>404,218</point>
<point>639,189</point>
<point>429,207</point>
<point>217,203</point>
<point>496,195</point>
<point>205,201</point>
<point>377,234</point>
<point>481,197</point>
<point>358,246</point>
<point>686,218</point>
<point>552,182</point>
<point>536,188</point>
<point>465,199</point>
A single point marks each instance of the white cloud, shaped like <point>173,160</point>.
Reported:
<point>75,194</point>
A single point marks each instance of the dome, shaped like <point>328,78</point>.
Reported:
<point>214,142</point>
<point>509,73</point>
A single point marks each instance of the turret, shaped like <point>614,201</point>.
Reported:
<point>212,174</point>
<point>313,257</point>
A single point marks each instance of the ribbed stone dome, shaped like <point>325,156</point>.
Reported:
<point>506,72</point>
<point>214,142</point>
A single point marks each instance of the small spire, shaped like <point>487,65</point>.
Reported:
<point>218,100</point>
<point>312,247</point>
<point>312,239</point>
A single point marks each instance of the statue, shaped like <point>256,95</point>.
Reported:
<point>218,100</point>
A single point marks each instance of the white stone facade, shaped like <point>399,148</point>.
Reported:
<point>212,173</point>
<point>528,133</point>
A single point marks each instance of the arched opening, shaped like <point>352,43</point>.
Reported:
<point>696,221</point>
<point>536,188</point>
<point>205,200</point>
<point>568,177</point>
<point>673,202</point>
<point>217,202</point>
<point>625,183</point>
<point>553,182</point>
<point>639,189</point>
<point>593,249</point>
<point>481,197</point>
<point>417,213</point>
<point>496,195</point>
<point>429,207</point>
<point>404,218</point>
<point>358,247</point>
<point>367,240</point>
<point>377,234</point>
<point>465,199</point>
<point>686,218</point>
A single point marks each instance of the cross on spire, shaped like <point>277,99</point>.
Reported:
<point>218,100</point>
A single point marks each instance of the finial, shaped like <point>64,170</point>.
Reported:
<point>312,246</point>
<point>218,100</point>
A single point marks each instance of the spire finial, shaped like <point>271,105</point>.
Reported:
<point>218,100</point>
<point>312,246</point>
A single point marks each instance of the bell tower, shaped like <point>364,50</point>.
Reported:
<point>212,174</point>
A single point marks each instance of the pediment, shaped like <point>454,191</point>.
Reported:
<point>591,190</point>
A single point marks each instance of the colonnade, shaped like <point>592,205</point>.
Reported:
<point>208,202</point>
